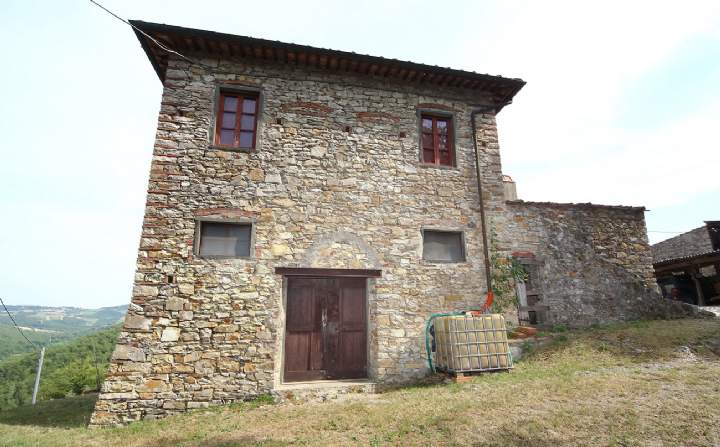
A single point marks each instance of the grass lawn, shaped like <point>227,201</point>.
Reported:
<point>646,383</point>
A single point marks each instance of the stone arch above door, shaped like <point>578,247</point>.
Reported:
<point>340,250</point>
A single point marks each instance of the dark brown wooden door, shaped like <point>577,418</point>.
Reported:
<point>326,328</point>
<point>350,357</point>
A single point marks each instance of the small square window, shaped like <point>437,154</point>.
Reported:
<point>222,239</point>
<point>236,120</point>
<point>436,140</point>
<point>443,246</point>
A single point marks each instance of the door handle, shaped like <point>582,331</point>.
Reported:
<point>324,317</point>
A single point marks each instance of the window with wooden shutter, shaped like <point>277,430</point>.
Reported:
<point>443,246</point>
<point>226,240</point>
<point>437,140</point>
<point>236,120</point>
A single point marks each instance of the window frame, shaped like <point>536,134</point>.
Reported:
<point>221,92</point>
<point>198,234</point>
<point>452,140</point>
<point>463,245</point>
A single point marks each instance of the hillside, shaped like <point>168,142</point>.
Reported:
<point>64,319</point>
<point>644,383</point>
<point>57,324</point>
<point>13,343</point>
<point>70,367</point>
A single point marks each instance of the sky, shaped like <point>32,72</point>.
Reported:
<point>621,106</point>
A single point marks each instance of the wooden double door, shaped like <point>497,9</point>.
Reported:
<point>325,329</point>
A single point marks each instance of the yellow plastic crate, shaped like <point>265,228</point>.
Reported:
<point>465,343</point>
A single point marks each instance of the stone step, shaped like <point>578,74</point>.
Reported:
<point>322,390</point>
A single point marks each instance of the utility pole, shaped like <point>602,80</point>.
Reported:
<point>37,376</point>
<point>97,370</point>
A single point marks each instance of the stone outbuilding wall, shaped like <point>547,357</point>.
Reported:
<point>593,263</point>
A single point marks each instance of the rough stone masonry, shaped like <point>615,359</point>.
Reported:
<point>335,181</point>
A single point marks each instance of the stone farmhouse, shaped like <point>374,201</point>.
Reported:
<point>308,209</point>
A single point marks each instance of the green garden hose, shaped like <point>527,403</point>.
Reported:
<point>427,334</point>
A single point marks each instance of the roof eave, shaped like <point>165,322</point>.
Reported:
<point>146,48</point>
<point>506,87</point>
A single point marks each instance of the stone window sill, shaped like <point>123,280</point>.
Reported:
<point>432,262</point>
<point>231,148</point>
<point>442,167</point>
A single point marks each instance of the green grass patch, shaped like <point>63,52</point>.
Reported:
<point>621,385</point>
<point>69,412</point>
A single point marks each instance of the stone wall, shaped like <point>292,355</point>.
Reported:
<point>335,182</point>
<point>594,264</point>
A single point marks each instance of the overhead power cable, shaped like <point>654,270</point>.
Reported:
<point>182,56</point>
<point>16,325</point>
<point>155,41</point>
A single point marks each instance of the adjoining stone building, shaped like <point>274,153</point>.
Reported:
<point>687,266</point>
<point>308,209</point>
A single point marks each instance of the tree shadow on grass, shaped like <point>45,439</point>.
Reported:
<point>70,412</point>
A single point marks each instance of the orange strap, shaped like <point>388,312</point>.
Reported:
<point>488,301</point>
<point>485,307</point>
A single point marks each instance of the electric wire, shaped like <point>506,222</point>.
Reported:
<point>169,50</point>
<point>16,325</point>
<point>213,69</point>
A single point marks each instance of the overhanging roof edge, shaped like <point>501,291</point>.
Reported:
<point>514,84</point>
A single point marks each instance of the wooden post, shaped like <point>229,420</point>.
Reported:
<point>698,287</point>
<point>37,375</point>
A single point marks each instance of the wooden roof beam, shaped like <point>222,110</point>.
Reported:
<point>188,43</point>
<point>271,54</point>
<point>312,60</point>
<point>225,48</point>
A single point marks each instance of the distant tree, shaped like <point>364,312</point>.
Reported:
<point>80,375</point>
<point>69,368</point>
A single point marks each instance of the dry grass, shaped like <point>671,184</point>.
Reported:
<point>632,384</point>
